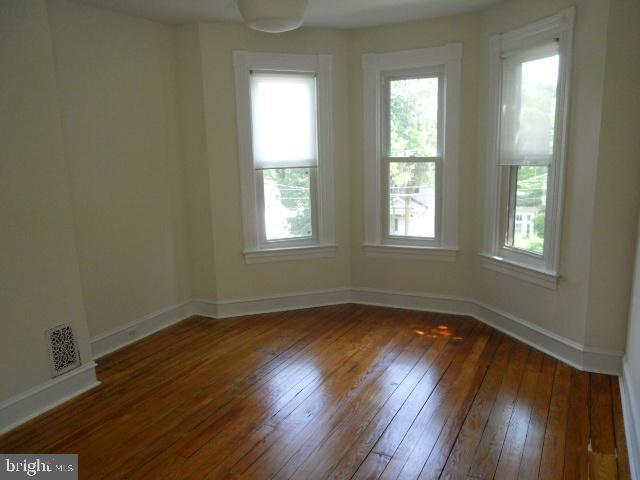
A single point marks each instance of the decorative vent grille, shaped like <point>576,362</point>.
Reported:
<point>63,349</point>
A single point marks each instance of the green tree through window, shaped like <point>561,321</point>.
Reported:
<point>413,117</point>
<point>287,198</point>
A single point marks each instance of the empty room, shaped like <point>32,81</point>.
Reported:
<point>320,239</point>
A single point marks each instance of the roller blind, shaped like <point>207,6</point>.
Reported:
<point>528,106</point>
<point>284,120</point>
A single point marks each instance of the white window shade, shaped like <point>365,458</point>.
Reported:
<point>528,106</point>
<point>284,127</point>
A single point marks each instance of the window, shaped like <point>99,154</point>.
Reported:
<point>283,113</point>
<point>411,155</point>
<point>411,148</point>
<point>284,109</point>
<point>526,159</point>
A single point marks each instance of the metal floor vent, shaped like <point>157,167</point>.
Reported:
<point>63,349</point>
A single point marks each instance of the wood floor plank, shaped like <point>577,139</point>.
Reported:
<point>457,401</point>
<point>229,411</point>
<point>307,401</point>
<point>602,430</point>
<point>301,435</point>
<point>237,365</point>
<point>552,466</point>
<point>513,447</point>
<point>371,467</point>
<point>624,470</point>
<point>576,458</point>
<point>390,440</point>
<point>602,466</point>
<point>533,444</point>
<point>404,418</point>
<point>338,392</point>
<point>437,459</point>
<point>361,447</point>
<point>324,458</point>
<point>462,454</point>
<point>314,459</point>
<point>487,455</point>
<point>602,458</point>
<point>468,389</point>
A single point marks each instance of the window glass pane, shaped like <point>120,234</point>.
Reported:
<point>283,110</point>
<point>412,199</point>
<point>529,89</point>
<point>527,215</point>
<point>413,117</point>
<point>287,203</point>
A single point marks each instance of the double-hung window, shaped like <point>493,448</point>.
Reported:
<point>411,102</point>
<point>284,108</point>
<point>530,69</point>
<point>412,159</point>
<point>283,113</point>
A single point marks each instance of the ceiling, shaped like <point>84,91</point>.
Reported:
<point>321,13</point>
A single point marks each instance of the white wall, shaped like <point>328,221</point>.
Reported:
<point>118,94</point>
<point>196,178</point>
<point>621,131</point>
<point>618,181</point>
<point>424,276</point>
<point>234,278</point>
<point>39,274</point>
<point>631,365</point>
<point>562,311</point>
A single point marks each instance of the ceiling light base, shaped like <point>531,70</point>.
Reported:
<point>273,16</point>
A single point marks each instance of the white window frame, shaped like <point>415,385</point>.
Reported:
<point>445,62</point>
<point>543,269</point>
<point>257,249</point>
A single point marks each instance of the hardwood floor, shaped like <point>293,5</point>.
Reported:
<point>336,392</point>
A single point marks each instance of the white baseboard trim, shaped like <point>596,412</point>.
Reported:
<point>131,332</point>
<point>115,339</point>
<point>412,300</point>
<point>564,349</point>
<point>573,353</point>
<point>271,303</point>
<point>43,397</point>
<point>631,414</point>
<point>27,405</point>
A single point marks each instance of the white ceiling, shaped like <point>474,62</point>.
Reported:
<point>321,13</point>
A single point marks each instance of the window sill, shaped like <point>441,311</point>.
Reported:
<point>527,273</point>
<point>289,253</point>
<point>411,253</point>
